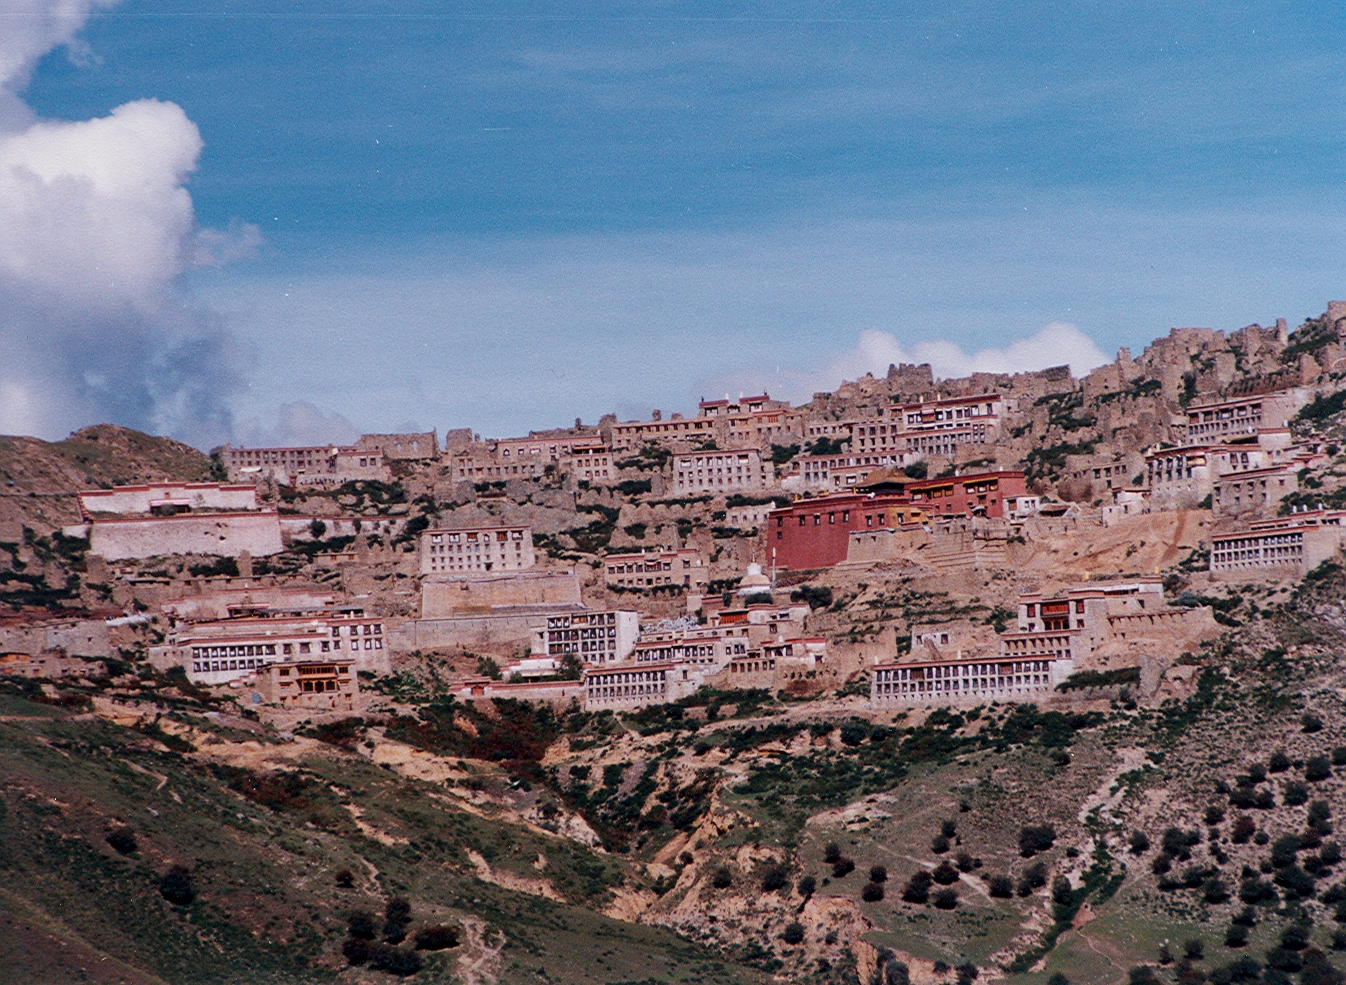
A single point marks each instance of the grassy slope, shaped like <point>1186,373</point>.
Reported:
<point>267,909</point>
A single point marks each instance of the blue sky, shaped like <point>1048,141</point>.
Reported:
<point>512,215</point>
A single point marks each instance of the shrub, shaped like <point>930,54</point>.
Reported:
<point>722,878</point>
<point>1257,891</point>
<point>939,844</point>
<point>1295,793</point>
<point>1317,769</point>
<point>1296,881</point>
<point>1214,814</point>
<point>360,923</point>
<point>356,950</point>
<point>395,960</point>
<point>793,933</point>
<point>1284,851</point>
<point>345,879</point>
<point>878,873</point>
<point>176,886</point>
<point>1339,756</point>
<point>1062,892</point>
<point>1310,723</point>
<point>917,889</point>
<point>1247,917</point>
<point>948,828</point>
<point>1236,935</point>
<point>1178,843</point>
<point>1033,877</point>
<point>965,862</point>
<point>1330,854</point>
<point>832,852</point>
<point>1215,891</point>
<point>872,893</point>
<point>1283,960</point>
<point>396,916</point>
<point>1058,979</point>
<point>1140,843</point>
<point>1242,829</point>
<point>1339,940</point>
<point>775,879</point>
<point>122,839</point>
<point>944,874</point>
<point>1142,974</point>
<point>1194,949</point>
<point>436,938</point>
<point>1161,863</point>
<point>896,973</point>
<point>1279,762</point>
<point>807,885</point>
<point>945,899</point>
<point>1036,838</point>
<point>1295,937</point>
<point>1000,886</point>
<point>842,867</point>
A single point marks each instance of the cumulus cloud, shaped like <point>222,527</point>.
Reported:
<point>1055,344</point>
<point>298,423</point>
<point>96,228</point>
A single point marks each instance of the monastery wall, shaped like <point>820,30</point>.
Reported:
<point>223,534</point>
<point>446,597</point>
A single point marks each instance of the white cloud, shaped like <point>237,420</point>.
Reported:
<point>95,213</point>
<point>1055,344</point>
<point>96,228</point>
<point>298,423</point>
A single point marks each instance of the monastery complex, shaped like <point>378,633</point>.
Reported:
<point>904,541</point>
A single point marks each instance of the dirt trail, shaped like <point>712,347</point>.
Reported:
<point>479,962</point>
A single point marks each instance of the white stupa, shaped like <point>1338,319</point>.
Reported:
<point>754,582</point>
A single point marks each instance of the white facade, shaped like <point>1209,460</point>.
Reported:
<point>476,550</point>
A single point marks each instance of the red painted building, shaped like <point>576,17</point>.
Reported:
<point>815,533</point>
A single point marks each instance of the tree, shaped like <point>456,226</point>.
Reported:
<point>916,470</point>
<point>807,886</point>
<point>722,878</point>
<point>345,879</point>
<point>793,933</point>
<point>317,528</point>
<point>1140,842</point>
<point>872,893</point>
<point>1001,886</point>
<point>176,886</point>
<point>572,668</point>
<point>487,667</point>
<point>1317,769</point>
<point>878,873</point>
<point>831,852</point>
<point>842,867</point>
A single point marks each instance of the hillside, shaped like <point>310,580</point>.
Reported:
<point>1081,843</point>
<point>38,479</point>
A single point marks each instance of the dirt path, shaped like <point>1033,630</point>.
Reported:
<point>479,962</point>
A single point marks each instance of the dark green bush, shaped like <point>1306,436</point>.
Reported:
<point>176,886</point>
